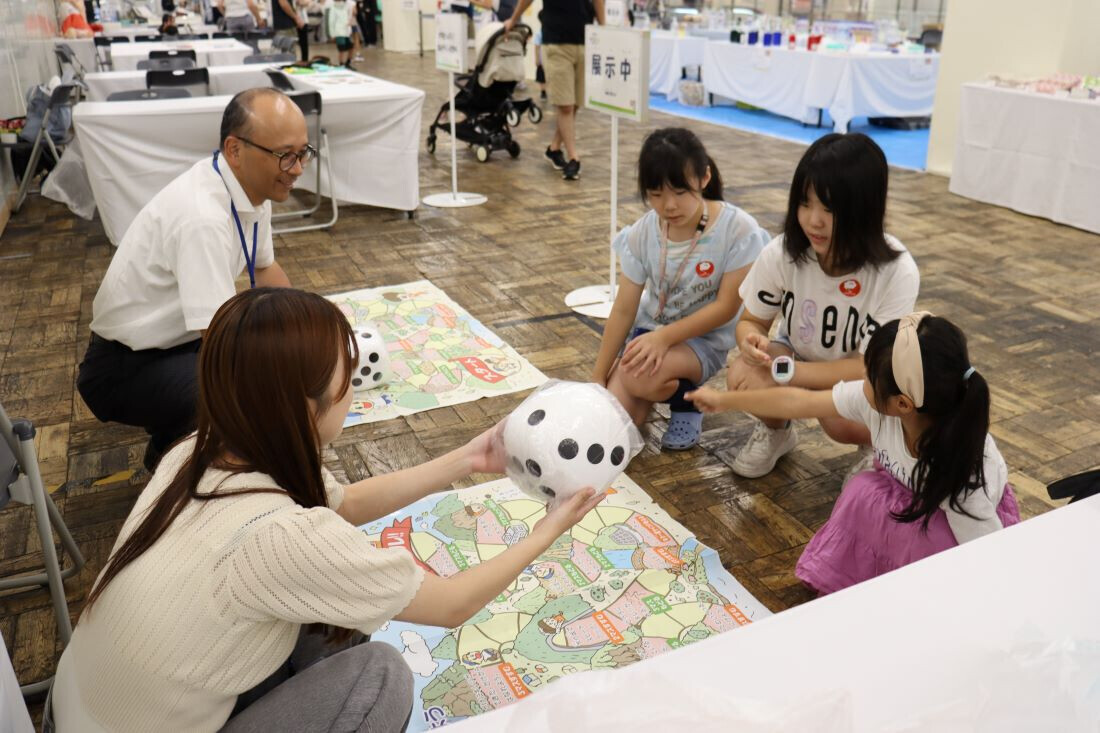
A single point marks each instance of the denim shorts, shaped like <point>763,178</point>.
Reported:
<point>710,359</point>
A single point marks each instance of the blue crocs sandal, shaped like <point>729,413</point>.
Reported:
<point>684,429</point>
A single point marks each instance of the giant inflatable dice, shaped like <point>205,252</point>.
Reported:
<point>567,436</point>
<point>373,369</point>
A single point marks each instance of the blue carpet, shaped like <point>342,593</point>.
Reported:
<point>904,148</point>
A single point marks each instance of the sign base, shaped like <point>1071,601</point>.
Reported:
<point>454,200</point>
<point>594,301</point>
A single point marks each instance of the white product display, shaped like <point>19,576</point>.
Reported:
<point>218,52</point>
<point>669,54</point>
<point>567,436</point>
<point>798,83</point>
<point>1035,153</point>
<point>1031,664</point>
<point>373,368</point>
<point>133,149</point>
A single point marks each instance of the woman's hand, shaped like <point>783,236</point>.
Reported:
<point>754,349</point>
<point>707,400</point>
<point>644,355</point>
<point>561,518</point>
<point>485,453</point>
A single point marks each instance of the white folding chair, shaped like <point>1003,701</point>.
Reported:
<point>21,482</point>
<point>310,104</point>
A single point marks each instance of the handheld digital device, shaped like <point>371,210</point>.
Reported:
<point>782,369</point>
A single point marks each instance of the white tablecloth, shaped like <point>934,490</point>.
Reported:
<point>13,711</point>
<point>132,31</point>
<point>223,80</point>
<point>1034,153</point>
<point>219,52</point>
<point>668,55</point>
<point>133,149</point>
<point>798,83</point>
<point>934,641</point>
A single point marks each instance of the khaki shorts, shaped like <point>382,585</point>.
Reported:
<point>564,66</point>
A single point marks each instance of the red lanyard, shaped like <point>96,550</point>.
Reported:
<point>662,289</point>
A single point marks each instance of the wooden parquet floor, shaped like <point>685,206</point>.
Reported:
<point>1024,290</point>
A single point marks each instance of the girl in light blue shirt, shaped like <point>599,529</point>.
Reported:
<point>677,302</point>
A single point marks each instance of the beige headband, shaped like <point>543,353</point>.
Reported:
<point>906,358</point>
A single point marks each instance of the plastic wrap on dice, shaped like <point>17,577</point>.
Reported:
<point>373,369</point>
<point>567,436</point>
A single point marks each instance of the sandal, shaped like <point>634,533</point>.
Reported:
<point>684,429</point>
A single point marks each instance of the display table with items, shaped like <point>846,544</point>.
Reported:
<point>1037,153</point>
<point>216,52</point>
<point>669,54</point>
<point>986,636</point>
<point>133,149</point>
<point>799,83</point>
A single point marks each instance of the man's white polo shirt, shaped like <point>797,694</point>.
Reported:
<point>177,262</point>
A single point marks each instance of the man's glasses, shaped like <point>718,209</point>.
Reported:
<point>286,160</point>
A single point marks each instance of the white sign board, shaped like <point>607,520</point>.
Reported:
<point>616,77</point>
<point>450,42</point>
<point>615,13</point>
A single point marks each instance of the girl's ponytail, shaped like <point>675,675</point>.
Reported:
<point>713,190</point>
<point>951,451</point>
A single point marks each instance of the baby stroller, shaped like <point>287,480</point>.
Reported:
<point>486,96</point>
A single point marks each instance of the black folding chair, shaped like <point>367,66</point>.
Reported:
<point>179,62</point>
<point>279,80</point>
<point>270,58</point>
<point>194,80</point>
<point>63,94</point>
<point>120,39</point>
<point>103,59</point>
<point>174,53</point>
<point>136,95</point>
<point>310,104</point>
<point>151,38</point>
<point>67,61</point>
<point>21,482</point>
<point>220,34</point>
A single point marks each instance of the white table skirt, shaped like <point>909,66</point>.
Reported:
<point>223,80</point>
<point>133,149</point>
<point>133,31</point>
<point>219,52</point>
<point>668,55</point>
<point>1034,153</point>
<point>798,83</point>
<point>925,647</point>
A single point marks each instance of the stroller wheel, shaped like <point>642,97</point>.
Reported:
<point>512,118</point>
<point>482,153</point>
<point>431,144</point>
<point>535,113</point>
<point>513,149</point>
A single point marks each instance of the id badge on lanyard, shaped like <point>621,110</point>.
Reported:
<point>250,261</point>
<point>664,289</point>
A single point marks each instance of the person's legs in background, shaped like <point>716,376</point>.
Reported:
<point>561,61</point>
<point>303,41</point>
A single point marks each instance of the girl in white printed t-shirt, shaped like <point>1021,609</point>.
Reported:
<point>937,479</point>
<point>677,301</point>
<point>831,278</point>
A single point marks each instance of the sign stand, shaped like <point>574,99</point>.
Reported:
<point>617,70</point>
<point>450,56</point>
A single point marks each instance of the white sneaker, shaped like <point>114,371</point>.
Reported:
<point>865,461</point>
<point>764,447</point>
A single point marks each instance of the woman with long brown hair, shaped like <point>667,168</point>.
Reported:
<point>242,538</point>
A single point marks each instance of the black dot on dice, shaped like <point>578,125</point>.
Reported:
<point>595,453</point>
<point>568,449</point>
<point>534,468</point>
<point>366,334</point>
<point>378,376</point>
<point>365,371</point>
<point>548,491</point>
<point>357,382</point>
<point>536,417</point>
<point>373,358</point>
<point>617,455</point>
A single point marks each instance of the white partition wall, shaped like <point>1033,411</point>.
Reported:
<point>983,37</point>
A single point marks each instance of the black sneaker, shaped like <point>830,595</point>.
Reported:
<point>572,170</point>
<point>556,158</point>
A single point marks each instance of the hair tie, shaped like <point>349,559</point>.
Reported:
<point>905,359</point>
<point>967,373</point>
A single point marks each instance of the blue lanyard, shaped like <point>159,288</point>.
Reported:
<point>250,261</point>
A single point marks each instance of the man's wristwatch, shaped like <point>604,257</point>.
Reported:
<point>782,369</point>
